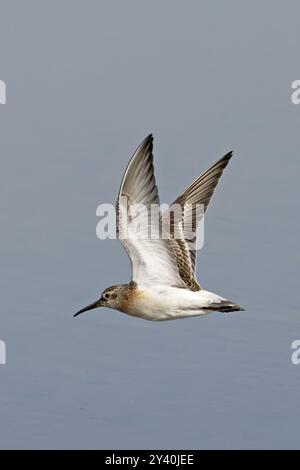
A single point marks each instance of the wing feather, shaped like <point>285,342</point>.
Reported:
<point>151,257</point>
<point>199,192</point>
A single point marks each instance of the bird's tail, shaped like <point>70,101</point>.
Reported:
<point>225,306</point>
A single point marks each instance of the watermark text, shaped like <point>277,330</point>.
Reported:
<point>295,97</point>
<point>295,357</point>
<point>2,353</point>
<point>152,222</point>
<point>2,92</point>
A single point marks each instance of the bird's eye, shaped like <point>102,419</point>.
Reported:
<point>106,296</point>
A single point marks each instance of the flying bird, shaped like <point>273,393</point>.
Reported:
<point>163,284</point>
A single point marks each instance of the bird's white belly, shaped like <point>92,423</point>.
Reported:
<point>170,303</point>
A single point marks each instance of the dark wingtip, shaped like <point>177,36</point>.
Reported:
<point>224,160</point>
<point>228,156</point>
<point>149,139</point>
<point>147,144</point>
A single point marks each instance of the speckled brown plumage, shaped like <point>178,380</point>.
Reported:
<point>199,192</point>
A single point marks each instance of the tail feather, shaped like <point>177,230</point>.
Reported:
<point>224,306</point>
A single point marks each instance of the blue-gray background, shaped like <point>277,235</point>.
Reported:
<point>86,81</point>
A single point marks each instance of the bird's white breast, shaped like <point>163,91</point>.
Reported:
<point>161,302</point>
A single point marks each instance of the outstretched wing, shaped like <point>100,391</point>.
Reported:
<point>199,192</point>
<point>151,257</point>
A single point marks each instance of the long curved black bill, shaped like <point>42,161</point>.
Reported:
<point>89,307</point>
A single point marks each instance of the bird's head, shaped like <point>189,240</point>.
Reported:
<point>110,297</point>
